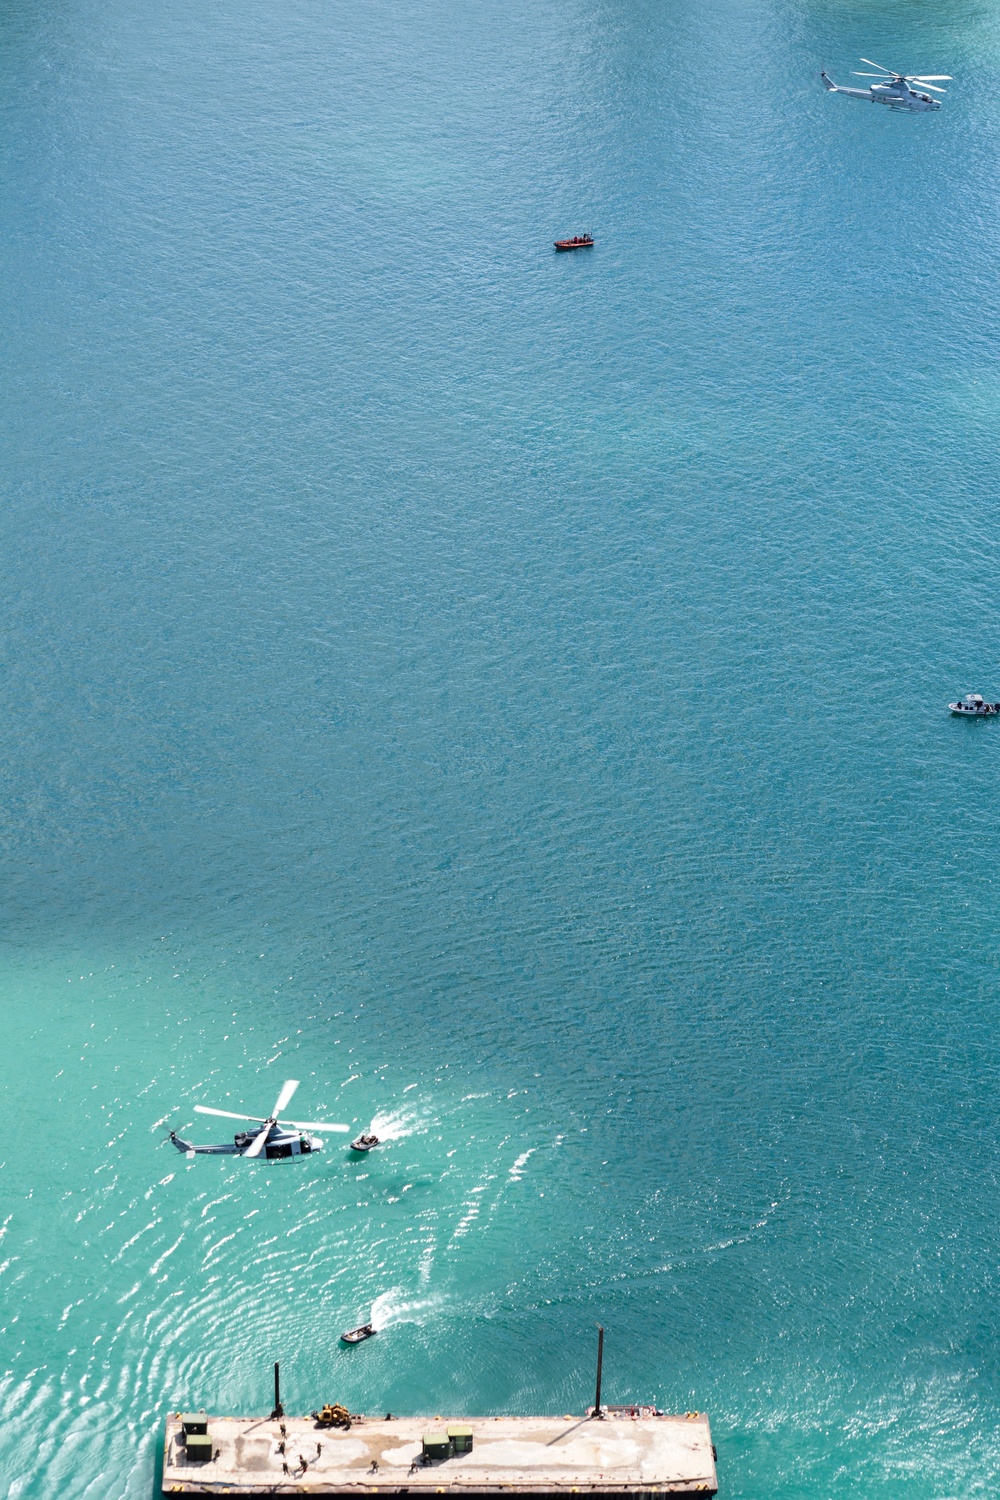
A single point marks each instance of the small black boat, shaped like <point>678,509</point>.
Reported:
<point>365,1142</point>
<point>357,1335</point>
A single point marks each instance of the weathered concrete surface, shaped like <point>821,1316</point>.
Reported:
<point>617,1455</point>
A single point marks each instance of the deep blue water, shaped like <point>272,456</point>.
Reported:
<point>504,691</point>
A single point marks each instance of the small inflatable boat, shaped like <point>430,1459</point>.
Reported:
<point>357,1335</point>
<point>364,1142</point>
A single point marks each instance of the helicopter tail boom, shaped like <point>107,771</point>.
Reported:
<point>187,1149</point>
<point>838,88</point>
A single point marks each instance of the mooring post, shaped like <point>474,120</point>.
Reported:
<point>600,1362</point>
<point>279,1410</point>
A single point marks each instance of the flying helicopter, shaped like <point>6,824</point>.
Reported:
<point>274,1139</point>
<point>894,88</point>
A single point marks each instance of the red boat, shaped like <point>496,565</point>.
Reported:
<point>578,242</point>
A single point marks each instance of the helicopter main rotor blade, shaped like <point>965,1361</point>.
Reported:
<point>311,1125</point>
<point>879,66</point>
<point>227,1114</point>
<point>257,1144</point>
<point>926,77</point>
<point>925,85</point>
<point>855,73</point>
<point>284,1098</point>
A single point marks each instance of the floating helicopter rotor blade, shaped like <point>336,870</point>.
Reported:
<point>227,1114</point>
<point>311,1125</point>
<point>257,1144</point>
<point>284,1098</point>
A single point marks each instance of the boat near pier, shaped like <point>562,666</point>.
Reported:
<point>630,1451</point>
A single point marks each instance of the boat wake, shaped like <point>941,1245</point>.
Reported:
<point>517,1170</point>
<point>395,1307</point>
<point>397,1124</point>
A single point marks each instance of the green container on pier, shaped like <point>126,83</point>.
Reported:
<point>198,1448</point>
<point>436,1445</point>
<point>194,1422</point>
<point>460,1439</point>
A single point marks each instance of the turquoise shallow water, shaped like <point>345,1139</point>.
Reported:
<point>504,691</point>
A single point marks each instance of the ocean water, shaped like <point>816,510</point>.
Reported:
<point>504,691</point>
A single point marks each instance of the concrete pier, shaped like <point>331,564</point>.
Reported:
<point>627,1451</point>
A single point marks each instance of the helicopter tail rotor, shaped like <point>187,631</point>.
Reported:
<point>185,1147</point>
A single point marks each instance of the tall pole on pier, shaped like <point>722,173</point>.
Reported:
<point>278,1408</point>
<point>600,1362</point>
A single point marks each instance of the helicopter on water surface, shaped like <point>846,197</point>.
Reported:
<point>894,88</point>
<point>274,1139</point>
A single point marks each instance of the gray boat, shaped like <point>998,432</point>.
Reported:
<point>365,1142</point>
<point>358,1335</point>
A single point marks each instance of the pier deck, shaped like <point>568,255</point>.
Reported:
<point>615,1455</point>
